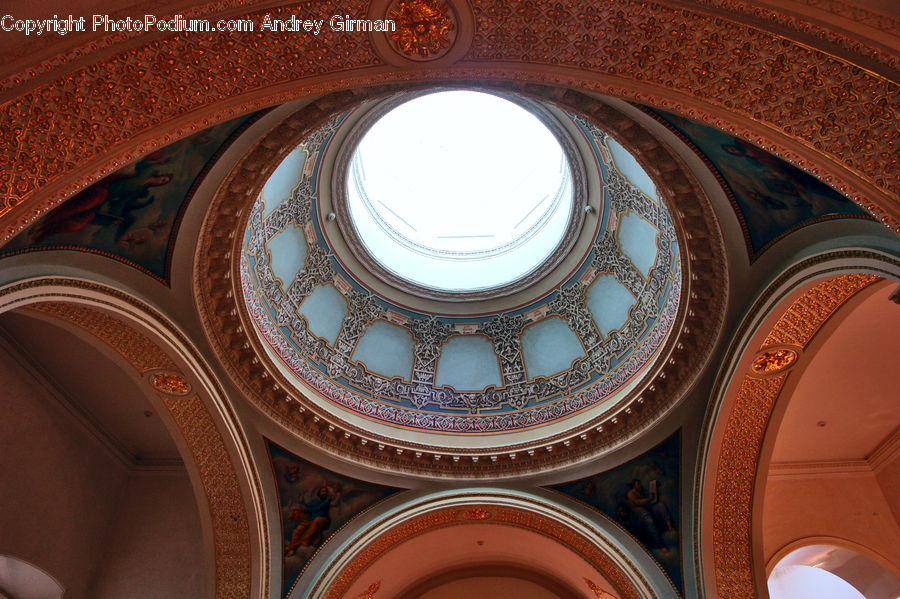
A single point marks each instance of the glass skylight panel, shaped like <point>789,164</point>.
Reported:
<point>460,191</point>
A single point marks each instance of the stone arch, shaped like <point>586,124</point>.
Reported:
<point>616,561</point>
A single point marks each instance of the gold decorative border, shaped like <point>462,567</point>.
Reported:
<point>229,329</point>
<point>218,476</point>
<point>736,470</point>
<point>498,514</point>
<point>713,62</point>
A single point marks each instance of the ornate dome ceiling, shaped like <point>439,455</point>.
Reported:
<point>562,354</point>
<point>481,369</point>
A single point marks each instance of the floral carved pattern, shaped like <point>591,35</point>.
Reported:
<point>425,28</point>
<point>113,105</point>
<point>745,430</point>
<point>170,383</point>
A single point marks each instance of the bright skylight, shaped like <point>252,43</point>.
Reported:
<point>459,191</point>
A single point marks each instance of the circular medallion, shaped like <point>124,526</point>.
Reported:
<point>425,29</point>
<point>774,360</point>
<point>170,383</point>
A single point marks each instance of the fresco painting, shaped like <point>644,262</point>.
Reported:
<point>642,497</point>
<point>315,503</point>
<point>774,198</point>
<point>133,214</point>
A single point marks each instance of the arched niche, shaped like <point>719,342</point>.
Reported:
<point>179,386</point>
<point>775,343</point>
<point>869,573</point>
<point>23,580</point>
<point>535,539</point>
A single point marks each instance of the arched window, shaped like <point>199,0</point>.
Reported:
<point>828,571</point>
<point>22,580</point>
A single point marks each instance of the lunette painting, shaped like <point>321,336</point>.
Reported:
<point>642,497</point>
<point>133,214</point>
<point>315,504</point>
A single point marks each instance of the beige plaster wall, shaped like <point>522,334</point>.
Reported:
<point>845,506</point>
<point>888,477</point>
<point>73,509</point>
<point>58,483</point>
<point>154,546</point>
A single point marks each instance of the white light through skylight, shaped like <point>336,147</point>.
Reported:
<point>460,191</point>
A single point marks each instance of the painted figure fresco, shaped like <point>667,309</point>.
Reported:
<point>315,503</point>
<point>642,497</point>
<point>774,197</point>
<point>132,214</point>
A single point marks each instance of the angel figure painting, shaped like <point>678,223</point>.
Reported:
<point>641,496</point>
<point>133,214</point>
<point>315,504</point>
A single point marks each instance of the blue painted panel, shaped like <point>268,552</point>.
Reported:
<point>637,240</point>
<point>629,167</point>
<point>288,251</point>
<point>609,302</point>
<point>283,181</point>
<point>325,309</point>
<point>549,346</point>
<point>386,349</point>
<point>468,363</point>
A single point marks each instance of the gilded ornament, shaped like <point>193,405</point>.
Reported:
<point>774,360</point>
<point>369,593</point>
<point>595,588</point>
<point>170,383</point>
<point>425,28</point>
<point>477,514</point>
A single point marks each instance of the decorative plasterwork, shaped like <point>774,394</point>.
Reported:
<point>611,362</point>
<point>218,476</point>
<point>745,429</point>
<point>425,28</point>
<point>821,112</point>
<point>773,360</point>
<point>498,514</point>
<point>217,278</point>
<point>170,383</point>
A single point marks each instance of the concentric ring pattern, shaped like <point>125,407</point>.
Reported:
<point>581,344</point>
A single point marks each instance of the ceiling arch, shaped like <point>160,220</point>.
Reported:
<point>177,376</point>
<point>831,117</point>
<point>795,307</point>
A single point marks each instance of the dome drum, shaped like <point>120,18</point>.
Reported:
<point>609,371</point>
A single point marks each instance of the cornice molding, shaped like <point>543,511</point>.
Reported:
<point>821,112</point>
<point>230,330</point>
